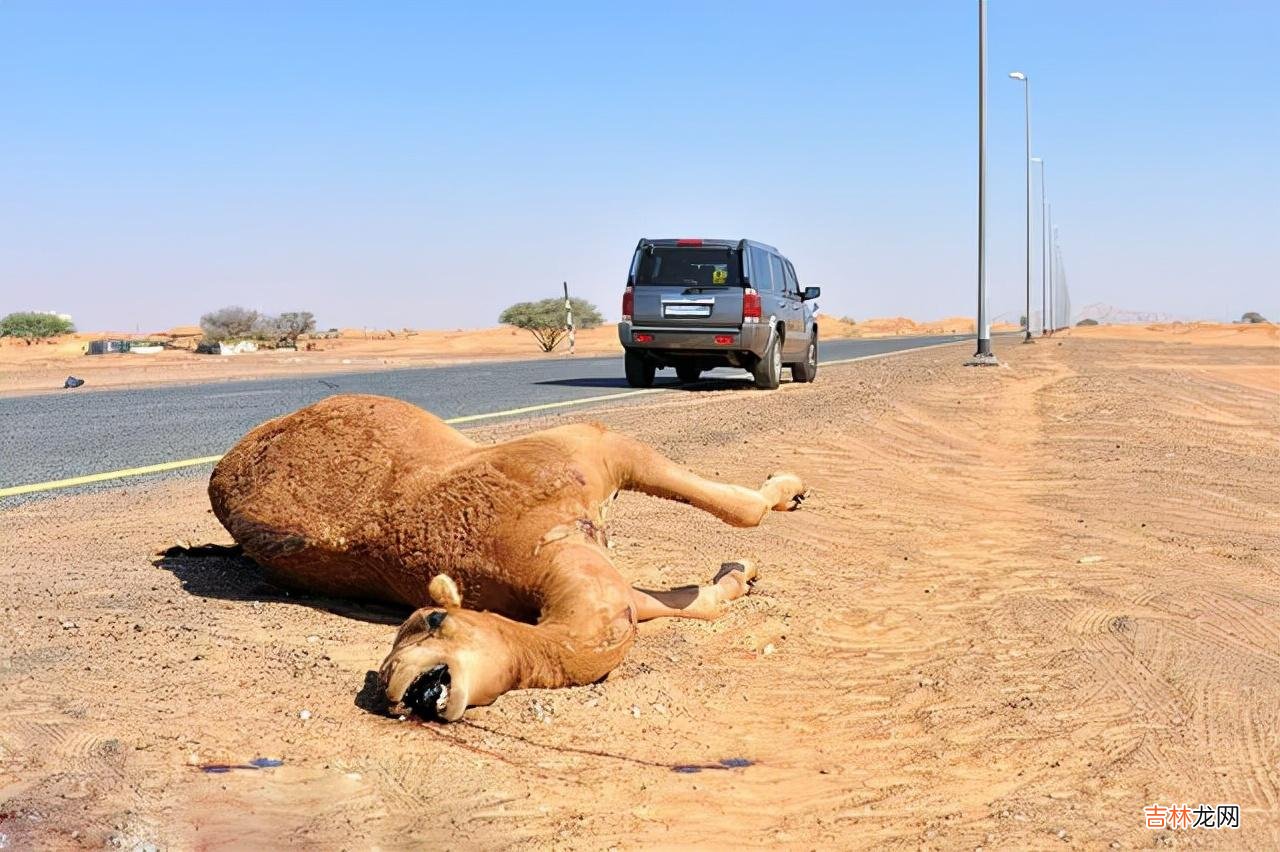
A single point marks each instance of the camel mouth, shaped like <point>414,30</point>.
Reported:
<point>428,695</point>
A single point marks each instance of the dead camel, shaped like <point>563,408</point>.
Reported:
<point>373,498</point>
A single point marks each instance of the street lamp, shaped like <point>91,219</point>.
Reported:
<point>1026,100</point>
<point>982,357</point>
<point>1052,271</point>
<point>1044,252</point>
<point>1058,276</point>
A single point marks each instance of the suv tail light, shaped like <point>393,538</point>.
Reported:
<point>689,242</point>
<point>628,303</point>
<point>750,305</point>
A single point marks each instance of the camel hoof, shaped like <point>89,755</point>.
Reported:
<point>428,695</point>
<point>792,488</point>
<point>750,573</point>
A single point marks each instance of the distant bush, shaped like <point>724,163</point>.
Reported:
<point>1252,316</point>
<point>231,323</point>
<point>1087,321</point>
<point>32,325</point>
<point>545,319</point>
<point>236,323</point>
<point>291,325</point>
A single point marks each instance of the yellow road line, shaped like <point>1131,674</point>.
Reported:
<point>35,487</point>
<point>15,490</point>
<point>529,409</point>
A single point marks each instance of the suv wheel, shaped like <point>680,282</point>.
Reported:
<point>768,370</point>
<point>688,373</point>
<point>639,369</point>
<point>807,370</point>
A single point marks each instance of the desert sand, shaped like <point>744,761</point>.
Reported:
<point>1197,333</point>
<point>44,366</point>
<point>1022,604</point>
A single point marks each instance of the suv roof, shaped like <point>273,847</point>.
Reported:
<point>694,242</point>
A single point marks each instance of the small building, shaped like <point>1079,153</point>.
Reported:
<point>107,346</point>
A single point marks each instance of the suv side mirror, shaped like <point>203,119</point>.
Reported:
<point>811,293</point>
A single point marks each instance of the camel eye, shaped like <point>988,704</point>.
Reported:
<point>435,619</point>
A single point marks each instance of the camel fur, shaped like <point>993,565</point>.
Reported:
<point>500,549</point>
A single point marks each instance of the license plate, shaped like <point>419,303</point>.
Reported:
<point>686,310</point>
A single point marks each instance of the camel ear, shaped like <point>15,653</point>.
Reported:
<point>445,592</point>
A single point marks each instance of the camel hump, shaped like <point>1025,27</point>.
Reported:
<point>445,592</point>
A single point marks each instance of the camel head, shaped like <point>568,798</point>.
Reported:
<point>446,659</point>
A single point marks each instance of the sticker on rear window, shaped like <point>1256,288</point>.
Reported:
<point>719,275</point>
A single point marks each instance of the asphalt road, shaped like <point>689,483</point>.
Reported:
<point>78,432</point>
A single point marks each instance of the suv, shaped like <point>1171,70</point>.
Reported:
<point>699,304</point>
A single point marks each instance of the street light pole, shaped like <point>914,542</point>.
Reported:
<point>982,357</point>
<point>1026,103</point>
<point>1057,275</point>
<point>1044,249</point>
<point>1049,226</point>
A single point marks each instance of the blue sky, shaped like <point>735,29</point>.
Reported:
<point>411,164</point>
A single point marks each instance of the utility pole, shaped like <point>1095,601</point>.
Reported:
<point>1044,252</point>
<point>1058,276</point>
<point>1026,103</point>
<point>982,357</point>
<point>1052,263</point>
<point>568,316</point>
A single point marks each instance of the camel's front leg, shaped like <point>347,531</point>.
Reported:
<point>641,468</point>
<point>703,602</point>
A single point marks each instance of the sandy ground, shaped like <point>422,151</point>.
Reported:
<point>1186,333</point>
<point>44,366</point>
<point>1022,604</point>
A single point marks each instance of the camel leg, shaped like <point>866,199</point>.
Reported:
<point>703,602</point>
<point>644,469</point>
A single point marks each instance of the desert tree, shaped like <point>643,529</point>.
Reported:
<point>290,325</point>
<point>545,319</point>
<point>231,323</point>
<point>30,326</point>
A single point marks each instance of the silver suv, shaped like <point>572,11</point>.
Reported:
<point>698,304</point>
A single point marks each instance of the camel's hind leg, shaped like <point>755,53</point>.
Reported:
<point>644,469</point>
<point>703,602</point>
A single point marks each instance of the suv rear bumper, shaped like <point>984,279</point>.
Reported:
<point>752,338</point>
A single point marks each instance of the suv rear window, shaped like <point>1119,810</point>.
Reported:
<point>705,267</point>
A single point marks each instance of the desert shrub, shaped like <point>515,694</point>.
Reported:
<point>289,326</point>
<point>545,319</point>
<point>32,325</point>
<point>231,323</point>
<point>236,323</point>
<point>1087,321</point>
<point>1252,316</point>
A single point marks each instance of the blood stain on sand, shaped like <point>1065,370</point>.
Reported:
<point>726,763</point>
<point>255,764</point>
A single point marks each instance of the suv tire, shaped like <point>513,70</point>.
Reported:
<point>688,373</point>
<point>768,370</point>
<point>807,370</point>
<point>639,369</point>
